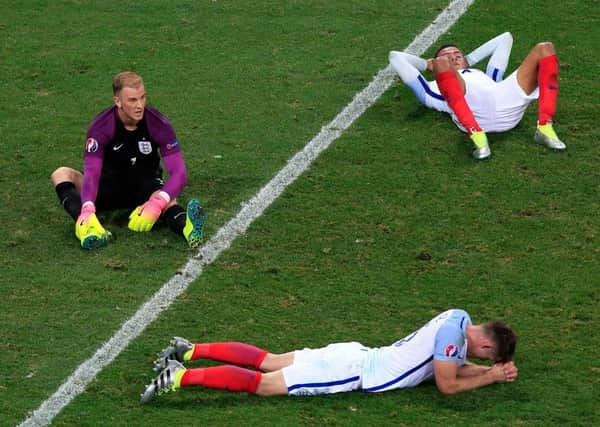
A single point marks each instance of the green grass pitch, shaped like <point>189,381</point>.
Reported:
<point>340,255</point>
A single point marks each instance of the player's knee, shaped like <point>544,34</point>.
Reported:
<point>59,174</point>
<point>63,174</point>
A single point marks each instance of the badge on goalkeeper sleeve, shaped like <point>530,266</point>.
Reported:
<point>143,217</point>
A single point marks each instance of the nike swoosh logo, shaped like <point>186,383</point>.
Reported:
<point>116,147</point>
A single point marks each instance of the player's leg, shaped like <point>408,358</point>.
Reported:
<point>272,384</point>
<point>332,369</point>
<point>186,222</point>
<point>235,353</point>
<point>226,377</point>
<point>90,232</point>
<point>179,349</point>
<point>237,379</point>
<point>193,230</point>
<point>452,87</point>
<point>527,73</point>
<point>335,368</point>
<point>455,85</point>
<point>274,362</point>
<point>539,69</point>
<point>67,183</point>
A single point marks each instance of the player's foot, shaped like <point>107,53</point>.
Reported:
<point>176,351</point>
<point>194,224</point>
<point>482,149</point>
<point>92,235</point>
<point>482,153</point>
<point>168,380</point>
<point>545,135</point>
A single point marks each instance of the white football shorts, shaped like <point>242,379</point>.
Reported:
<point>501,106</point>
<point>333,369</point>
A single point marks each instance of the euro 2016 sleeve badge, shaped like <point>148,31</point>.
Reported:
<point>451,350</point>
<point>145,147</point>
<point>91,145</point>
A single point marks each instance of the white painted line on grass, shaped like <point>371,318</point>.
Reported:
<point>170,291</point>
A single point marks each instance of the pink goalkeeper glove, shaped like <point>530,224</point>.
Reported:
<point>143,217</point>
<point>87,210</point>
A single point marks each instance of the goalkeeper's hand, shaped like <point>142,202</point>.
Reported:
<point>87,210</point>
<point>88,229</point>
<point>143,217</point>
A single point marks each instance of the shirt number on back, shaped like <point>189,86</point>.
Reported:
<point>405,340</point>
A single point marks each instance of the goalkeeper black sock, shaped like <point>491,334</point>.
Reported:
<point>69,197</point>
<point>175,217</point>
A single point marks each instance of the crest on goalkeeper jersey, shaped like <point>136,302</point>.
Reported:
<point>145,147</point>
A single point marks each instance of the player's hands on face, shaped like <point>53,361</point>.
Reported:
<point>143,217</point>
<point>430,65</point>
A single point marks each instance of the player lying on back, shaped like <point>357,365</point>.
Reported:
<point>437,350</point>
<point>121,170</point>
<point>483,102</point>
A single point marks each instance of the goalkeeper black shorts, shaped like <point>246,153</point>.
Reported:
<point>120,194</point>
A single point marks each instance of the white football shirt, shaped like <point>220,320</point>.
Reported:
<point>497,106</point>
<point>409,361</point>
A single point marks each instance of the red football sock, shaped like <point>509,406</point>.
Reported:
<point>227,377</point>
<point>230,352</point>
<point>453,94</point>
<point>548,84</point>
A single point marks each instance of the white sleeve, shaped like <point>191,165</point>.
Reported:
<point>499,48</point>
<point>408,68</point>
<point>415,62</point>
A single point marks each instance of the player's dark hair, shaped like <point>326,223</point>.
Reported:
<point>437,52</point>
<point>504,338</point>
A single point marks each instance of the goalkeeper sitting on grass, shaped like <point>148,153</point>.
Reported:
<point>482,102</point>
<point>121,169</point>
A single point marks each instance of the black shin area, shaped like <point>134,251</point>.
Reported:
<point>69,197</point>
<point>175,217</point>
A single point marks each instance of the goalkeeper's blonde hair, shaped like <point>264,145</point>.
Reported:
<point>126,79</point>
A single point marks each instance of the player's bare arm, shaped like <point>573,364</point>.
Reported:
<point>472,369</point>
<point>449,381</point>
<point>430,65</point>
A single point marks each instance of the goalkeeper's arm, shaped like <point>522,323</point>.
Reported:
<point>145,216</point>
